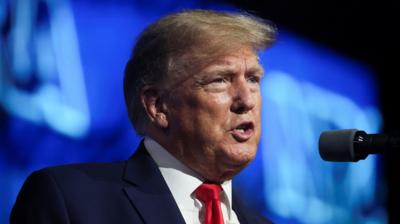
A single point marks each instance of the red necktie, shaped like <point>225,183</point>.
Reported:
<point>209,194</point>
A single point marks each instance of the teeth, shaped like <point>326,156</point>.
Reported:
<point>240,130</point>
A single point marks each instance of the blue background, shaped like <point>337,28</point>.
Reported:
<point>62,102</point>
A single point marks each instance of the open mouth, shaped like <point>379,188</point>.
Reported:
<point>243,131</point>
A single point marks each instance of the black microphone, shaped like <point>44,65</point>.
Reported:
<point>352,145</point>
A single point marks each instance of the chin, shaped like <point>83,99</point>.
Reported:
<point>228,172</point>
<point>230,165</point>
<point>239,157</point>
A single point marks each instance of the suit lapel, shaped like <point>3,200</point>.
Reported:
<point>239,210</point>
<point>245,214</point>
<point>148,192</point>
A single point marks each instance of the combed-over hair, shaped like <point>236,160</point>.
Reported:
<point>187,40</point>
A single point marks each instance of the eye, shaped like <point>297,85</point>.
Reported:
<point>218,80</point>
<point>217,83</point>
<point>254,79</point>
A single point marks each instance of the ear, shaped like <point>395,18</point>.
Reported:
<point>155,107</point>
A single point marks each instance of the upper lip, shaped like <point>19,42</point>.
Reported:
<point>246,125</point>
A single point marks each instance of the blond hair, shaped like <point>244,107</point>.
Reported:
<point>182,41</point>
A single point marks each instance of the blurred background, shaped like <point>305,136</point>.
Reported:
<point>334,66</point>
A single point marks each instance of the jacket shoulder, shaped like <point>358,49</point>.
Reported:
<point>48,194</point>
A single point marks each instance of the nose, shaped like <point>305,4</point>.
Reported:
<point>243,97</point>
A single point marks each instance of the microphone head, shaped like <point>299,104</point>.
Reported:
<point>338,145</point>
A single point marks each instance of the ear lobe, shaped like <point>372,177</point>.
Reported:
<point>154,106</point>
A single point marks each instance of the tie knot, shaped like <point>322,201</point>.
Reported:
<point>208,192</point>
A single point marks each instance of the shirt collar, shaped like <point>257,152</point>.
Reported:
<point>181,180</point>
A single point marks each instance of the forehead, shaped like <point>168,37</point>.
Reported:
<point>244,59</point>
<point>197,67</point>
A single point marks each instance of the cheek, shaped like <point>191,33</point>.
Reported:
<point>222,99</point>
<point>217,108</point>
<point>257,108</point>
<point>202,113</point>
<point>212,115</point>
<point>220,105</point>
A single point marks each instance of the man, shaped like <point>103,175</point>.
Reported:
<point>192,89</point>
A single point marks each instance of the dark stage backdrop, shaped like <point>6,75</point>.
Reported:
<point>61,102</point>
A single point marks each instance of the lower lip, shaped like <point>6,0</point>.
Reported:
<point>242,136</point>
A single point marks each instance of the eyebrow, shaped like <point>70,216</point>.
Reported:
<point>256,70</point>
<point>227,71</point>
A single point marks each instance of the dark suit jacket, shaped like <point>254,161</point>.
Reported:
<point>132,191</point>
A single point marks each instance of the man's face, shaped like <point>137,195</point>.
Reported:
<point>214,116</point>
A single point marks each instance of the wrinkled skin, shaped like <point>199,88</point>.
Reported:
<point>203,113</point>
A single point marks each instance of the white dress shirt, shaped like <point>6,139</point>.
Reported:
<point>182,182</point>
